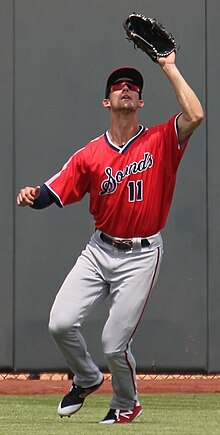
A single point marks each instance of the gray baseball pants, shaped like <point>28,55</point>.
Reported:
<point>126,278</point>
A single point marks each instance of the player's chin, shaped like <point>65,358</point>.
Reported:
<point>128,109</point>
<point>128,105</point>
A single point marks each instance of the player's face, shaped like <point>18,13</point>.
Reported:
<point>124,96</point>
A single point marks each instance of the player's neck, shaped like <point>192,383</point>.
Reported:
<point>122,130</point>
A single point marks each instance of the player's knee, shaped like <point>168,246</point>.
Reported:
<point>109,347</point>
<point>57,326</point>
<point>53,327</point>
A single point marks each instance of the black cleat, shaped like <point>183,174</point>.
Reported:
<point>73,400</point>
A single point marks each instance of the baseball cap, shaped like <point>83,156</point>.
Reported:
<point>124,73</point>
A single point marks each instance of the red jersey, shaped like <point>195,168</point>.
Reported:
<point>130,187</point>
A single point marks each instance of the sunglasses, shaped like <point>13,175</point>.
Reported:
<point>119,86</point>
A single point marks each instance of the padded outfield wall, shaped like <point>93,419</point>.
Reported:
<point>55,57</point>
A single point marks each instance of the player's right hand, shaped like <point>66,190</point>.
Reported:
<point>27,195</point>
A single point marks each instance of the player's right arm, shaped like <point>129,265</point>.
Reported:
<point>67,186</point>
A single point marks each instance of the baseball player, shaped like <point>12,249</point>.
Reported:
<point>130,174</point>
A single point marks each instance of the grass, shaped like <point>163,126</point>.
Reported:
<point>184,414</point>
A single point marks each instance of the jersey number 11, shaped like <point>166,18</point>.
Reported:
<point>135,191</point>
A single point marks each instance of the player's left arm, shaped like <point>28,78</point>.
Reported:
<point>192,111</point>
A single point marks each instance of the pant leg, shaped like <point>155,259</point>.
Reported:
<point>130,289</point>
<point>83,289</point>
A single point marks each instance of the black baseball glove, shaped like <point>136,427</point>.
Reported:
<point>149,35</point>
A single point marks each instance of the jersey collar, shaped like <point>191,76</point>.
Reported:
<point>123,148</point>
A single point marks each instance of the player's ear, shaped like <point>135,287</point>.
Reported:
<point>106,103</point>
<point>141,104</point>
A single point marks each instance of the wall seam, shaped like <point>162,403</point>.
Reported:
<point>207,179</point>
<point>14,178</point>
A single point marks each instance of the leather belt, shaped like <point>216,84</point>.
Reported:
<point>122,244</point>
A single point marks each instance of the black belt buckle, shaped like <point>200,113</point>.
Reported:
<point>124,245</point>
